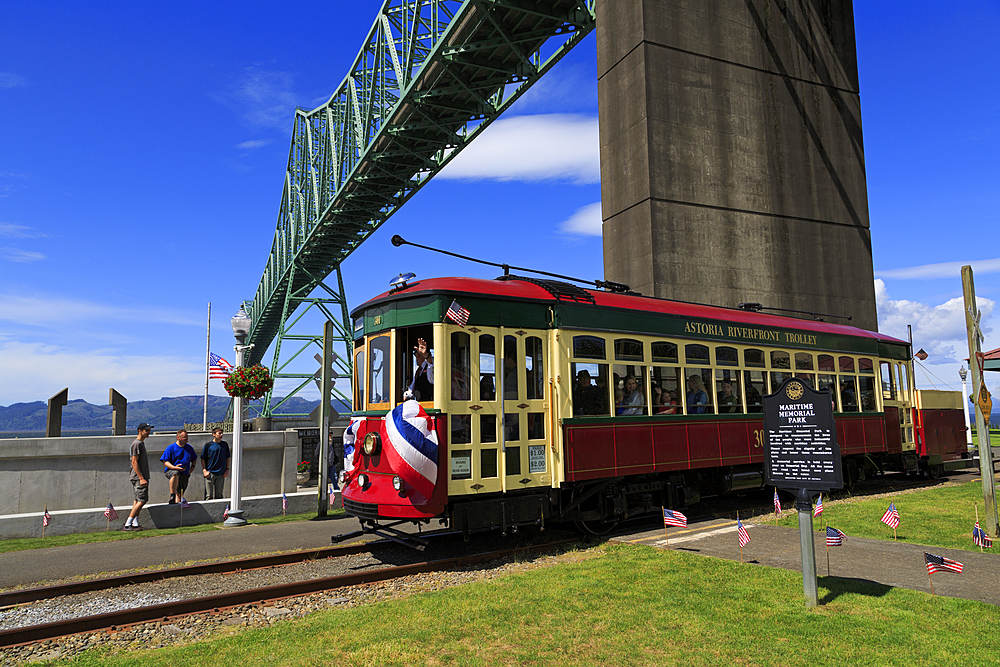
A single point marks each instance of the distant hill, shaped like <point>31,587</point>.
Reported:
<point>166,413</point>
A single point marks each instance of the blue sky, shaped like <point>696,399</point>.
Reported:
<point>144,146</point>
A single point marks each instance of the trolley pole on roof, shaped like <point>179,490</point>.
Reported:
<point>980,397</point>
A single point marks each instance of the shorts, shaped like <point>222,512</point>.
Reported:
<point>141,491</point>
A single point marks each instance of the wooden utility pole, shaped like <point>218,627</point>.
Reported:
<point>985,450</point>
<point>326,387</point>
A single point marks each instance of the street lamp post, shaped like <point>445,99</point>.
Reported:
<point>963,373</point>
<point>241,327</point>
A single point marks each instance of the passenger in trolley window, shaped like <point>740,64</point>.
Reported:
<point>422,386</point>
<point>586,397</point>
<point>697,399</point>
<point>728,402</point>
<point>633,401</point>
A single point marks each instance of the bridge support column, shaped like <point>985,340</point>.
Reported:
<point>732,161</point>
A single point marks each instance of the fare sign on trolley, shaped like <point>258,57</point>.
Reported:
<point>800,444</point>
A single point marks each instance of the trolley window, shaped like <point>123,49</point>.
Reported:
<point>535,375</point>
<point>487,368</point>
<point>849,393</point>
<point>726,356</point>
<point>888,381</point>
<point>826,363</point>
<point>666,388</point>
<point>696,354</point>
<point>461,366</point>
<point>628,349</point>
<point>780,359</point>
<point>756,384</point>
<point>846,365</point>
<point>866,385</point>
<point>589,347</point>
<point>803,361</point>
<point>727,392</point>
<point>753,358</point>
<point>698,401</point>
<point>511,369</point>
<point>629,397</point>
<point>359,375</point>
<point>590,391</point>
<point>665,352</point>
<point>379,370</point>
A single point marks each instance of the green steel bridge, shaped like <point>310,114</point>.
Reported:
<point>430,76</point>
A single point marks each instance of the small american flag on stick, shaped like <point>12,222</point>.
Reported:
<point>46,518</point>
<point>891,516</point>
<point>218,367</point>
<point>225,514</point>
<point>674,518</point>
<point>940,563</point>
<point>819,506</point>
<point>834,537</point>
<point>284,503</point>
<point>744,535</point>
<point>980,537</point>
<point>457,314</point>
<point>777,503</point>
<point>110,512</point>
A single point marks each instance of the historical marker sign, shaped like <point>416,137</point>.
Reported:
<point>800,443</point>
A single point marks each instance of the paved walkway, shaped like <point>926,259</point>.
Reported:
<point>21,568</point>
<point>890,564</point>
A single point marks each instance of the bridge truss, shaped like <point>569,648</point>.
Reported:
<point>430,76</point>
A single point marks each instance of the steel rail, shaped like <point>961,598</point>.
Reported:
<point>26,595</point>
<point>170,610</point>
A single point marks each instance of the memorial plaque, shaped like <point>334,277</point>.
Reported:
<point>800,439</point>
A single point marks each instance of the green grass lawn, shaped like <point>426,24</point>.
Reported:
<point>23,544</point>
<point>628,605</point>
<point>994,437</point>
<point>938,516</point>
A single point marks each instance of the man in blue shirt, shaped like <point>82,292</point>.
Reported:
<point>178,459</point>
<point>215,465</point>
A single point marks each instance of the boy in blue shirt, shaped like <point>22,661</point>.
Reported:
<point>178,460</point>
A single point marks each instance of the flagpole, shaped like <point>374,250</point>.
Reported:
<point>929,576</point>
<point>208,355</point>
<point>665,536</point>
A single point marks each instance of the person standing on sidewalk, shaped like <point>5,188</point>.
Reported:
<point>139,476</point>
<point>215,465</point>
<point>178,460</point>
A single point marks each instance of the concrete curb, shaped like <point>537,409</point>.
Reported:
<point>92,520</point>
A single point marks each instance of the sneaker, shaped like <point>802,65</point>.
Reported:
<point>136,527</point>
<point>172,500</point>
<point>126,528</point>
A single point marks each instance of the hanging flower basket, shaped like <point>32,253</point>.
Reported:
<point>249,382</point>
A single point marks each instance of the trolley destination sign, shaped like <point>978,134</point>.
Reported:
<point>800,444</point>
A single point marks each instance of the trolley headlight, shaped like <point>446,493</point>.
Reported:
<point>372,443</point>
<point>397,483</point>
<point>362,480</point>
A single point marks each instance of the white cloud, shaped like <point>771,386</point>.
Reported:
<point>254,143</point>
<point>42,370</point>
<point>49,311</point>
<point>942,270</point>
<point>11,230</point>
<point>264,98</point>
<point>586,221</point>
<point>8,80</point>
<point>939,330</point>
<point>20,256</point>
<point>550,147</point>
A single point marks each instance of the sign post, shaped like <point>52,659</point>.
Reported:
<point>801,454</point>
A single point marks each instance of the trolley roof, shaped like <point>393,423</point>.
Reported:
<point>583,308</point>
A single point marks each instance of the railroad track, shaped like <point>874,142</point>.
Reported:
<point>212,604</point>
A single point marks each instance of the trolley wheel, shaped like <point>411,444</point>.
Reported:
<point>596,528</point>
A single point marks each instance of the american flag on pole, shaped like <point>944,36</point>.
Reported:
<point>744,535</point>
<point>777,503</point>
<point>46,518</point>
<point>819,506</point>
<point>110,512</point>
<point>980,537</point>
<point>218,367</point>
<point>834,538</point>
<point>940,563</point>
<point>184,503</point>
<point>284,502</point>
<point>225,514</point>
<point>674,518</point>
<point>457,314</point>
<point>891,516</point>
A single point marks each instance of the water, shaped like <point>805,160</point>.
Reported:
<point>5,435</point>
